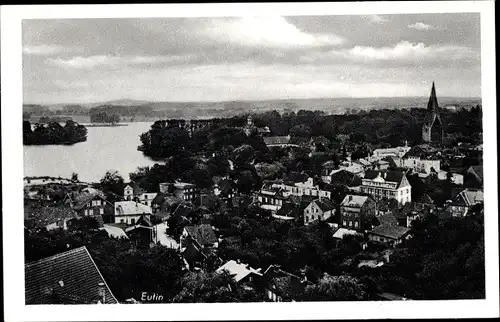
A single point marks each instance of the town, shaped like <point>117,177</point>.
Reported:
<point>271,207</point>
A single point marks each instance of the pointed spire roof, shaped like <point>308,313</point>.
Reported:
<point>432,105</point>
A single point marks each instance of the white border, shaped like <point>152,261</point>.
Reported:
<point>12,172</point>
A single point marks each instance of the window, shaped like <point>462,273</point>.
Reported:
<point>101,211</point>
<point>132,221</point>
<point>356,224</point>
<point>307,211</point>
<point>307,218</point>
<point>121,221</point>
<point>345,223</point>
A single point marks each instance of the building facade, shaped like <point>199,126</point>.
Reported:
<point>318,210</point>
<point>387,184</point>
<point>355,210</point>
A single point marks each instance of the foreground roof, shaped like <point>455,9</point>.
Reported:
<point>72,275</point>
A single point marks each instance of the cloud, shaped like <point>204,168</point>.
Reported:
<point>47,50</point>
<point>403,53</point>
<point>376,19</point>
<point>421,26</point>
<point>80,62</point>
<point>275,32</point>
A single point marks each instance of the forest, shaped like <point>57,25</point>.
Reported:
<point>53,133</point>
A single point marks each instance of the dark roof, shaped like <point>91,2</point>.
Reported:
<point>41,216</point>
<point>289,209</point>
<point>468,197</point>
<point>203,234</point>
<point>421,150</point>
<point>82,199</point>
<point>344,177</point>
<point>425,199</point>
<point>390,231</point>
<point>72,275</point>
<point>388,175</point>
<point>182,211</point>
<point>225,186</point>
<point>324,204</point>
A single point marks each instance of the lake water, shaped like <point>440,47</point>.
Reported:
<point>106,148</point>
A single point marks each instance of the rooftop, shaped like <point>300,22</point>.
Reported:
<point>354,201</point>
<point>132,208</point>
<point>239,270</point>
<point>203,234</point>
<point>390,231</point>
<point>72,276</point>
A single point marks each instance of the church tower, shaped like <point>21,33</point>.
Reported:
<point>432,131</point>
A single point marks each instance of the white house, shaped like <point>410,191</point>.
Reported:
<point>399,151</point>
<point>147,198</point>
<point>128,212</point>
<point>306,188</point>
<point>320,209</point>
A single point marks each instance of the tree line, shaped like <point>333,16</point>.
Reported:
<point>53,133</point>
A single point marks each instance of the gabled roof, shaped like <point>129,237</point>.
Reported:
<point>239,270</point>
<point>345,177</point>
<point>390,231</point>
<point>203,234</point>
<point>341,232</point>
<point>82,199</point>
<point>72,276</point>
<point>324,204</point>
<point>468,197</point>
<point>289,209</point>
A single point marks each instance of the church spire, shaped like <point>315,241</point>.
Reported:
<point>433,106</point>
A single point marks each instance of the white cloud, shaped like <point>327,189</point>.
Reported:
<point>403,52</point>
<point>266,31</point>
<point>80,62</point>
<point>376,19</point>
<point>47,50</point>
<point>421,26</point>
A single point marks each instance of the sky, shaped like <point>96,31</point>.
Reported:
<point>250,58</point>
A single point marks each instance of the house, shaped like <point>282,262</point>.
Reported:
<point>356,211</point>
<point>412,211</point>
<point>290,211</point>
<point>90,204</point>
<point>271,198</point>
<point>71,277</point>
<point>131,191</point>
<point>390,235</point>
<point>146,198</point>
<point>194,255</point>
<point>278,141</point>
<point>129,212</point>
<point>387,184</point>
<point>281,286</point>
<point>320,209</point>
<point>203,235</point>
<point>462,203</point>
<point>353,167</point>
<point>182,190</point>
<point>241,273</point>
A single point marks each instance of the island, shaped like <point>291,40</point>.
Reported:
<point>53,133</point>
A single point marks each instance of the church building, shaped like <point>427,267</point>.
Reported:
<point>432,131</point>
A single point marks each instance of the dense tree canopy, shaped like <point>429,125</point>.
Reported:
<point>53,133</point>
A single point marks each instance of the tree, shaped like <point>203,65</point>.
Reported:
<point>211,287</point>
<point>337,288</point>
<point>112,184</point>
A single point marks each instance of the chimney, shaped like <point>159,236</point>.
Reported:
<point>102,293</point>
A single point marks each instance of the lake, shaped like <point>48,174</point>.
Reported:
<point>106,148</point>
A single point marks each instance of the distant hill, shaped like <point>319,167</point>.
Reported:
<point>140,108</point>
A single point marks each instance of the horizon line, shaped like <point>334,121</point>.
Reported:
<point>244,100</point>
